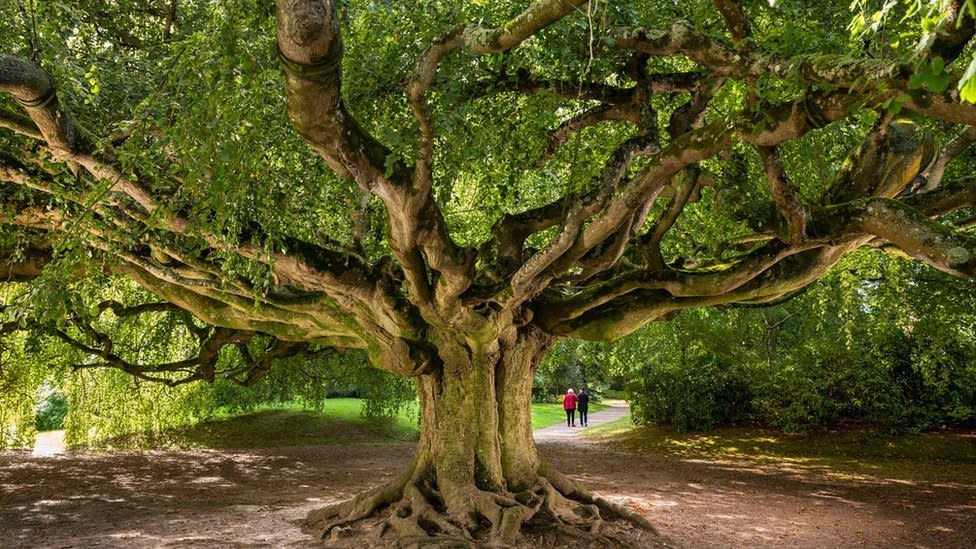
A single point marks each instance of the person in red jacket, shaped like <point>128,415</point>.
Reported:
<point>569,404</point>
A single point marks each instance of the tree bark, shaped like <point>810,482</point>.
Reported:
<point>477,477</point>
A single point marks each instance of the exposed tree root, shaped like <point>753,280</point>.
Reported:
<point>363,505</point>
<point>610,510</point>
<point>420,513</point>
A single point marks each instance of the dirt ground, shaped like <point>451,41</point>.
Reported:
<point>255,498</point>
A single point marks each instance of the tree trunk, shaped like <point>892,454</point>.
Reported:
<point>477,477</point>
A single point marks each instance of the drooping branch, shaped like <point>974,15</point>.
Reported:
<point>201,366</point>
<point>302,265</point>
<point>124,207</point>
<point>229,305</point>
<point>102,350</point>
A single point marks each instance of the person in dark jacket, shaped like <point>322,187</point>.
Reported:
<point>569,404</point>
<point>583,405</point>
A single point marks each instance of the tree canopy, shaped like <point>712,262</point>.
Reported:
<point>623,164</point>
<point>461,184</point>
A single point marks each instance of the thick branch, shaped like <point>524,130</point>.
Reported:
<point>480,40</point>
<point>889,160</point>
<point>784,195</point>
<point>914,233</point>
<point>735,19</point>
<point>35,91</point>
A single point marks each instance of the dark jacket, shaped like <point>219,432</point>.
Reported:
<point>583,400</point>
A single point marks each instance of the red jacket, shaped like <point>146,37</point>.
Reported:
<point>569,401</point>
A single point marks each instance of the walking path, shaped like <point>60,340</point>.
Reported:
<point>49,443</point>
<point>561,433</point>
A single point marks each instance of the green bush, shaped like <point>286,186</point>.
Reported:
<point>52,407</point>
<point>897,354</point>
<point>697,395</point>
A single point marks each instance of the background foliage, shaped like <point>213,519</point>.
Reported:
<point>879,340</point>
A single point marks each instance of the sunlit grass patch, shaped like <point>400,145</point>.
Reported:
<point>852,454</point>
<point>546,414</point>
<point>339,420</point>
<point>610,429</point>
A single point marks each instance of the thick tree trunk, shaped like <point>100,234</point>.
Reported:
<point>477,477</point>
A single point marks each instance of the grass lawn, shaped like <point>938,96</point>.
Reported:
<point>286,424</point>
<point>546,414</point>
<point>852,453</point>
<point>290,424</point>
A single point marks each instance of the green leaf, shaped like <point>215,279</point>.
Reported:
<point>967,84</point>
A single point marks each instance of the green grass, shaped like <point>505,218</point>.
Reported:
<point>851,453</point>
<point>340,421</point>
<point>288,424</point>
<point>546,414</point>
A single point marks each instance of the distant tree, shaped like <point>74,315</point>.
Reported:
<point>51,409</point>
<point>562,169</point>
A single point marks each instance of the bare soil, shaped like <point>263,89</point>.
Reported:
<point>257,498</point>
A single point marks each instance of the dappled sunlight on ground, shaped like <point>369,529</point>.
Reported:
<point>701,491</point>
<point>753,489</point>
<point>175,499</point>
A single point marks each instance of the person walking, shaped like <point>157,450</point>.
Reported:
<point>583,405</point>
<point>569,404</point>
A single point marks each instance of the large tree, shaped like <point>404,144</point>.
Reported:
<point>559,169</point>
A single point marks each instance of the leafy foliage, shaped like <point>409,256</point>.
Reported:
<point>52,407</point>
<point>878,340</point>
